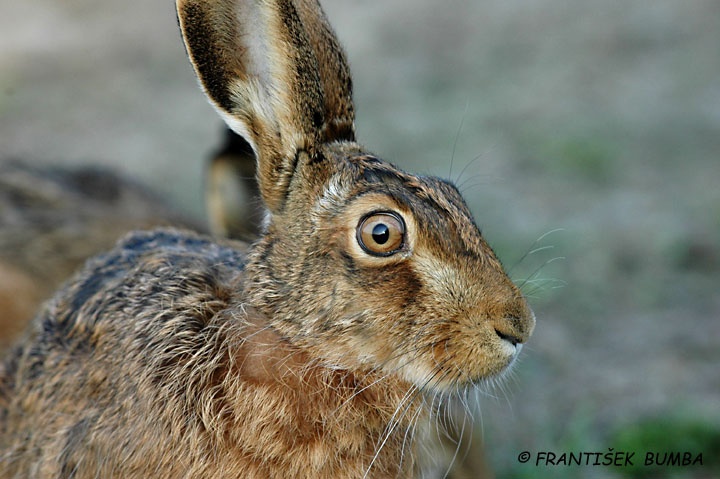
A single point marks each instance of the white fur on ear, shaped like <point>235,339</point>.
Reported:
<point>254,23</point>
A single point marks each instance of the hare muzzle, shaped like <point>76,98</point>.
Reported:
<point>478,321</point>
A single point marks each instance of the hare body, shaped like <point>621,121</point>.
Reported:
<point>310,353</point>
<point>160,369</point>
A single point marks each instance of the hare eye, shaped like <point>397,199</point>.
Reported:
<point>381,234</point>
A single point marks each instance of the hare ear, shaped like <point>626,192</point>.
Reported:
<point>334,72</point>
<point>276,74</point>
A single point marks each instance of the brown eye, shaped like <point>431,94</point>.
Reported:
<point>381,234</point>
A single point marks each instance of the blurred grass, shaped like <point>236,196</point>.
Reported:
<point>671,434</point>
<point>592,160</point>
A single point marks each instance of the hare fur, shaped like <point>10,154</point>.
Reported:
<point>309,353</point>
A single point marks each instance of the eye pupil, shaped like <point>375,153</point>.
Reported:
<point>381,233</point>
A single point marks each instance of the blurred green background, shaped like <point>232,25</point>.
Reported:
<point>586,133</point>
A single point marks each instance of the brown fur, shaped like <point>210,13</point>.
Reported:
<point>303,355</point>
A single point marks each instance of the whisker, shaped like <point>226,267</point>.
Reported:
<point>541,248</point>
<point>462,172</point>
<point>470,183</point>
<point>457,138</point>
<point>398,415</point>
<point>458,446</point>
<point>532,249</point>
<point>540,284</point>
<point>389,373</point>
<point>537,271</point>
<point>403,407</point>
<point>410,433</point>
<point>532,277</point>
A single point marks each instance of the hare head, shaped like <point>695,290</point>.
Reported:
<point>361,263</point>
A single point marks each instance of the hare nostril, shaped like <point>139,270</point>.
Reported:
<point>514,340</point>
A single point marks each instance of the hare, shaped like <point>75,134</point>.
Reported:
<point>52,220</point>
<point>232,198</point>
<point>318,350</point>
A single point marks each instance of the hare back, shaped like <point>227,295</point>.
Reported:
<point>83,373</point>
<point>149,364</point>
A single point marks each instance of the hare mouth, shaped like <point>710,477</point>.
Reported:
<point>452,378</point>
<point>510,346</point>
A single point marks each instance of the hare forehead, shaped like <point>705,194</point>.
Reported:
<point>431,198</point>
<point>435,206</point>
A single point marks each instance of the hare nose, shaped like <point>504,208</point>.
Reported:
<point>511,338</point>
<point>515,327</point>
